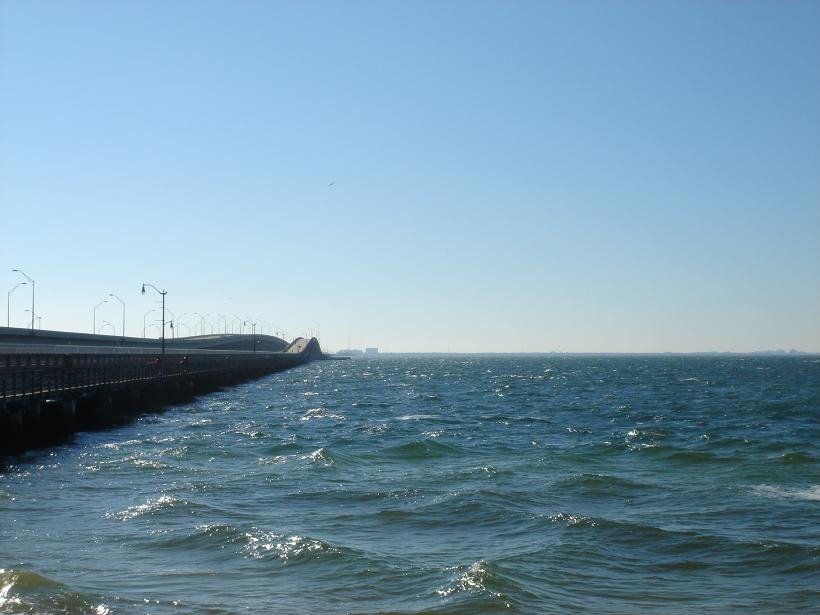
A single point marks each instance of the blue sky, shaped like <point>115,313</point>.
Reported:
<point>525,176</point>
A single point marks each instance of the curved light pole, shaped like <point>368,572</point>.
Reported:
<point>180,323</point>
<point>163,293</point>
<point>8,302</point>
<point>107,324</point>
<point>94,316</point>
<point>235,317</point>
<point>252,323</point>
<point>39,320</point>
<point>123,312</point>
<point>202,322</point>
<point>144,316</point>
<point>22,273</point>
<point>221,318</point>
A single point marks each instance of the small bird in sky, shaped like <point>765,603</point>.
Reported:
<point>331,184</point>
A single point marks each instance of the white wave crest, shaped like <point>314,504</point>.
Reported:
<point>260,544</point>
<point>811,493</point>
<point>320,413</point>
<point>474,579</point>
<point>150,506</point>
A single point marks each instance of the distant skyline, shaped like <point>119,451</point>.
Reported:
<point>463,176</point>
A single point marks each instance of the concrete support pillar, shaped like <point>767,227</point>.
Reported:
<point>69,411</point>
<point>31,424</point>
<point>134,397</point>
<point>13,417</point>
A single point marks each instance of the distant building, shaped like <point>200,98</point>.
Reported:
<point>350,352</point>
<point>371,352</point>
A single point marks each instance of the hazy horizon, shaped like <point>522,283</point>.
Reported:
<point>476,177</point>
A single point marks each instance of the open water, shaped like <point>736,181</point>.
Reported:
<point>445,485</point>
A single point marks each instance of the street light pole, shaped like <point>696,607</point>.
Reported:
<point>179,322</point>
<point>144,316</point>
<point>201,323</point>
<point>39,320</point>
<point>8,302</point>
<point>163,293</point>
<point>252,323</point>
<point>173,318</point>
<point>123,312</point>
<point>20,271</point>
<point>94,316</point>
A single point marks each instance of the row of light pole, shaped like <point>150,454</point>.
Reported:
<point>222,318</point>
<point>8,299</point>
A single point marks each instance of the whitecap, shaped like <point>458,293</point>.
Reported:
<point>318,456</point>
<point>474,579</point>
<point>264,461</point>
<point>320,413</point>
<point>811,493</point>
<point>150,506</point>
<point>259,544</point>
<point>151,463</point>
<point>5,590</point>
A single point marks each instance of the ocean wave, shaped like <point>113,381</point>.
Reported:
<point>601,483</point>
<point>252,543</point>
<point>291,445</point>
<point>420,449</point>
<point>320,456</point>
<point>483,506</point>
<point>809,493</point>
<point>417,417</point>
<point>320,413</point>
<point>481,586</point>
<point>488,471</point>
<point>325,457</point>
<point>23,591</point>
<point>691,456</point>
<point>151,464</point>
<point>371,404</point>
<point>797,458</point>
<point>674,547</point>
<point>150,507</point>
<point>259,545</point>
<point>253,434</point>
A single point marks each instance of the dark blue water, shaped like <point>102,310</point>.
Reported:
<point>450,485</point>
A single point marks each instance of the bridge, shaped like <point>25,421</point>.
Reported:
<point>54,383</point>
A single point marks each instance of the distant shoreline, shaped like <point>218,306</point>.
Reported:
<point>759,353</point>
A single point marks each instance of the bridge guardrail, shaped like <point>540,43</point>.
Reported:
<point>41,376</point>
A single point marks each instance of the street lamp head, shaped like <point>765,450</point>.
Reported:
<point>143,288</point>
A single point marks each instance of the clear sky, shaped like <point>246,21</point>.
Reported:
<point>507,176</point>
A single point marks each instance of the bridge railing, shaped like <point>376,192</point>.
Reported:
<point>43,376</point>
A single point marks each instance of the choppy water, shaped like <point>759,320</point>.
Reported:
<point>453,485</point>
